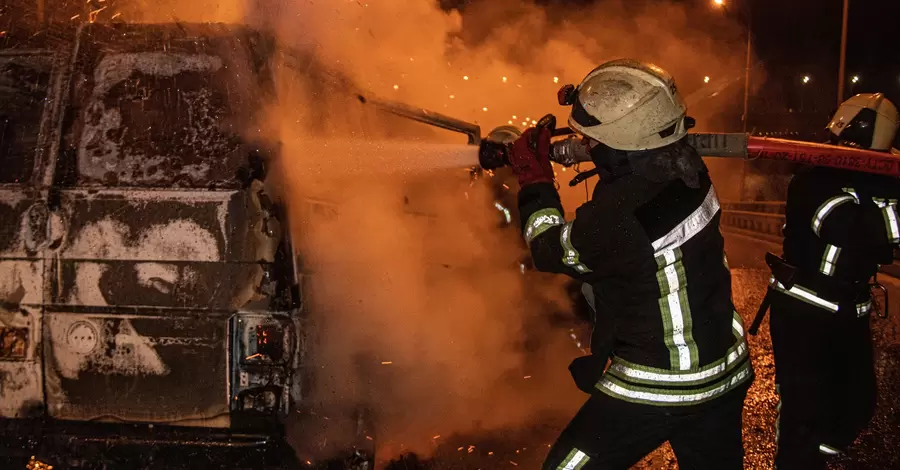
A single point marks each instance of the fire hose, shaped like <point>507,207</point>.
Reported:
<point>571,149</point>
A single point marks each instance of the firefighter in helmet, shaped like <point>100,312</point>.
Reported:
<point>648,247</point>
<point>840,225</point>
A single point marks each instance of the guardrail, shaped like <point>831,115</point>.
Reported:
<point>767,226</point>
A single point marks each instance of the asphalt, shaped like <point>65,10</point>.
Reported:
<point>877,448</point>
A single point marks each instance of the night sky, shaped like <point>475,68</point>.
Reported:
<point>794,38</point>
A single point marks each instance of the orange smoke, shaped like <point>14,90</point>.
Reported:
<point>419,307</point>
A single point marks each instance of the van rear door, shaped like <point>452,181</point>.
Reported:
<point>164,242</point>
<point>26,79</point>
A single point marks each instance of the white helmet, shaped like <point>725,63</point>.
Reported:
<point>628,105</point>
<point>867,120</point>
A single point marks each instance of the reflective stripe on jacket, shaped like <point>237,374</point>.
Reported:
<point>654,256</point>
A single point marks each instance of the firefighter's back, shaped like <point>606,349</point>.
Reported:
<point>679,340</point>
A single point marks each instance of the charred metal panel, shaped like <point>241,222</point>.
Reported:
<point>21,380</point>
<point>163,107</point>
<point>25,83</point>
<point>169,369</point>
<point>182,249</point>
<point>24,91</point>
<point>158,225</point>
<point>22,223</point>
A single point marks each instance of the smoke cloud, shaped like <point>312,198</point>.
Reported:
<point>419,307</point>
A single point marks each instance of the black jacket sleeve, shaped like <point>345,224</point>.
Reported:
<point>572,247</point>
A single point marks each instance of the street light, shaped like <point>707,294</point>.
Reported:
<point>706,79</point>
<point>855,79</point>
<point>806,79</point>
<point>748,14</point>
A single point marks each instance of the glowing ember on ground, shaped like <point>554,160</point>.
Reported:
<point>386,363</point>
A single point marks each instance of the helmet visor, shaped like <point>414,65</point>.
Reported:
<point>859,132</point>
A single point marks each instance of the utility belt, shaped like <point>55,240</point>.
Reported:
<point>844,297</point>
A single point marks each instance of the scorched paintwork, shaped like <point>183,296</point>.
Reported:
<point>140,255</point>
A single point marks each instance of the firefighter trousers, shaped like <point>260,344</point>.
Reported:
<point>611,434</point>
<point>825,378</point>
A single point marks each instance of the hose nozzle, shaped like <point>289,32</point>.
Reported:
<point>493,152</point>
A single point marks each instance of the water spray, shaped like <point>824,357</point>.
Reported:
<point>568,149</point>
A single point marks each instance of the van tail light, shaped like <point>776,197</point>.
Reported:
<point>270,342</point>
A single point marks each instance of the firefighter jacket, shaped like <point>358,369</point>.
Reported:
<point>841,225</point>
<point>654,255</point>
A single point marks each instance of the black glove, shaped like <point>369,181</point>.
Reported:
<point>587,371</point>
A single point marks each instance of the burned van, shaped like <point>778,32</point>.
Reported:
<point>147,286</point>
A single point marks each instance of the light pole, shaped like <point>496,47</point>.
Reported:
<point>843,61</point>
<point>749,20</point>
<point>746,116</point>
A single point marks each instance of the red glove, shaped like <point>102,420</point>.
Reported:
<point>532,166</point>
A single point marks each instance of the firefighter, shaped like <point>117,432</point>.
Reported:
<point>649,247</point>
<point>840,226</point>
